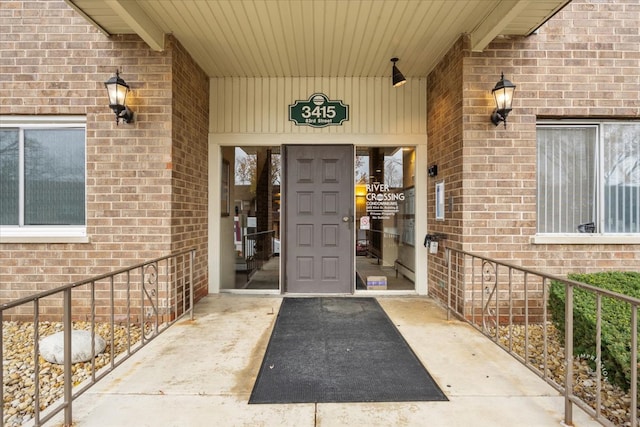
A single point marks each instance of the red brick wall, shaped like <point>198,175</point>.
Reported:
<point>445,144</point>
<point>190,130</point>
<point>583,63</point>
<point>146,181</point>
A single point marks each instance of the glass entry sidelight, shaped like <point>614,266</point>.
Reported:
<point>254,205</point>
<point>385,218</point>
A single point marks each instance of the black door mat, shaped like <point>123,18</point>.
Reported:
<point>339,350</point>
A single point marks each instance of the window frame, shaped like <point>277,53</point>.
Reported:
<point>598,237</point>
<point>22,233</point>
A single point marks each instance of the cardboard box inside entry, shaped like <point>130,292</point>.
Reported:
<point>376,282</point>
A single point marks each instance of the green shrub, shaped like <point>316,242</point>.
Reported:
<point>616,324</point>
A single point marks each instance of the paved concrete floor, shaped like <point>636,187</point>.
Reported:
<point>201,373</point>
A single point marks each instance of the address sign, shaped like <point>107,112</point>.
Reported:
<point>318,111</point>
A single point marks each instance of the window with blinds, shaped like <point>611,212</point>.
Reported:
<point>588,177</point>
<point>42,174</point>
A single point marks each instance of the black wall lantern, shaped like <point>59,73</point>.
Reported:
<point>503,95</point>
<point>398,78</point>
<point>118,90</point>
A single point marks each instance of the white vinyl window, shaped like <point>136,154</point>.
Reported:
<point>588,178</point>
<point>42,177</point>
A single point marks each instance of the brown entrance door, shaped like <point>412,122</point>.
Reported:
<point>319,219</point>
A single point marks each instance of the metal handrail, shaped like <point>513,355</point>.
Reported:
<point>255,257</point>
<point>165,282</point>
<point>461,266</point>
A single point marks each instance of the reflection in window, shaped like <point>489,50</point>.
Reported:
<point>51,188</point>
<point>385,217</point>
<point>54,177</point>
<point>621,178</point>
<point>256,220</point>
<point>9,179</point>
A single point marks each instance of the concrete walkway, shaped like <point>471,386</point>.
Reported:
<point>201,373</point>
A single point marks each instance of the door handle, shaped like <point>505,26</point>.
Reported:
<point>348,218</point>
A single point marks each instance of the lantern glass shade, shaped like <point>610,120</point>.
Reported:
<point>117,94</point>
<point>504,98</point>
<point>503,95</point>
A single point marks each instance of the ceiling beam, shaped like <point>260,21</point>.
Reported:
<point>494,22</point>
<point>139,22</point>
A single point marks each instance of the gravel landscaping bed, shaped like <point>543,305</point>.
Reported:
<point>615,402</point>
<point>18,366</point>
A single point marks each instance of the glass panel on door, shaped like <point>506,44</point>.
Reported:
<point>385,218</point>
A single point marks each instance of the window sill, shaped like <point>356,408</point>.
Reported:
<point>43,235</point>
<point>585,239</point>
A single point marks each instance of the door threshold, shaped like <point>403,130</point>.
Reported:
<point>361,292</point>
<point>315,294</point>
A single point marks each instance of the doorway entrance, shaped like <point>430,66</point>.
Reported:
<point>319,219</point>
<point>348,218</point>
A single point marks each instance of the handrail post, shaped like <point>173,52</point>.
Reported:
<point>2,370</point>
<point>36,355</point>
<point>568,357</point>
<point>68,397</point>
<point>484,323</point>
<point>193,260</point>
<point>634,365</point>
<point>448,256</point>
<point>143,315</point>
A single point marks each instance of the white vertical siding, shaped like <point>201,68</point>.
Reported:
<point>261,105</point>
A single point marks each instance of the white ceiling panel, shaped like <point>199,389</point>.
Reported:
<point>307,38</point>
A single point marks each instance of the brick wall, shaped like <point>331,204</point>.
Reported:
<point>146,181</point>
<point>190,130</point>
<point>445,144</point>
<point>583,63</point>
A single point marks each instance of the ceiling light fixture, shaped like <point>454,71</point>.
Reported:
<point>398,78</point>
